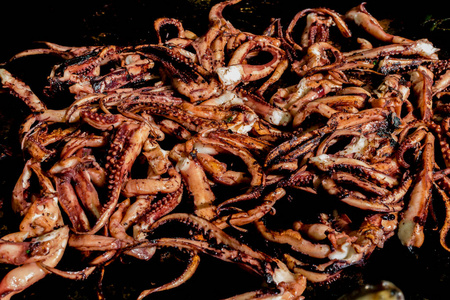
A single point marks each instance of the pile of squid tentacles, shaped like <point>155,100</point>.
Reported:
<point>221,133</point>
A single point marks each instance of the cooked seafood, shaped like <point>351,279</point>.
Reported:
<point>215,133</point>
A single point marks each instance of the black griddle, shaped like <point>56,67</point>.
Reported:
<point>420,273</point>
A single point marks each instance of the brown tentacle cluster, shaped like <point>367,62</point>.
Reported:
<point>226,133</point>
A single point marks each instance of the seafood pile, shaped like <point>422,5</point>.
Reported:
<point>207,144</point>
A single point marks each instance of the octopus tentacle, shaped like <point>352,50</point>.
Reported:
<point>442,187</point>
<point>274,270</point>
<point>327,162</point>
<point>193,264</point>
<point>22,91</point>
<point>316,60</point>
<point>237,72</point>
<point>252,215</point>
<point>311,34</point>
<point>411,142</point>
<point>156,210</point>
<point>73,275</point>
<point>125,147</point>
<point>118,231</point>
<point>160,22</point>
<point>77,69</point>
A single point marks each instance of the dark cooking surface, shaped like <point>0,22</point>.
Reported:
<point>421,274</point>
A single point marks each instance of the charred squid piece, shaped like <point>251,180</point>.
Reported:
<point>345,98</point>
<point>276,75</point>
<point>370,117</point>
<point>78,194</point>
<point>392,65</point>
<point>65,52</point>
<point>327,163</point>
<point>358,199</point>
<point>317,60</point>
<point>193,263</point>
<point>218,171</point>
<point>219,26</point>
<point>150,212</point>
<point>21,90</point>
<point>391,94</point>
<point>70,204</point>
<point>196,159</point>
<point>441,84</point>
<point>422,83</point>
<point>172,128</point>
<point>119,231</point>
<point>238,219</point>
<point>72,275</point>
<point>327,106</point>
<point>295,240</point>
<point>410,230</point>
<point>17,252</point>
<point>37,138</point>
<point>302,179</point>
<point>218,244</point>
<point>81,140</point>
<point>308,141</point>
<point>23,276</point>
<point>347,247</point>
<point>392,201</point>
<point>161,22</point>
<point>422,48</point>
<point>196,117</point>
<point>357,145</point>
<point>136,99</point>
<point>442,134</point>
<point>363,18</point>
<point>19,200</point>
<point>319,20</point>
<point>237,71</point>
<point>443,187</point>
<point>150,186</point>
<point>266,132</point>
<point>42,214</point>
<point>195,179</point>
<point>43,222</point>
<point>130,73</point>
<point>272,114</point>
<point>72,114</point>
<point>218,146</point>
<point>81,69</point>
<point>341,177</point>
<point>125,147</point>
<point>256,146</point>
<point>301,144</point>
<point>309,88</point>
<point>411,141</point>
<point>189,78</point>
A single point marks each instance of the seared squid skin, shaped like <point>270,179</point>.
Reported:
<point>287,284</point>
<point>222,134</point>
